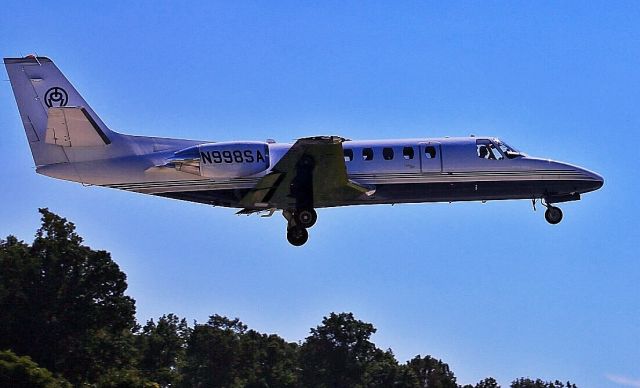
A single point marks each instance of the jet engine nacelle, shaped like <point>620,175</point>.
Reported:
<point>232,159</point>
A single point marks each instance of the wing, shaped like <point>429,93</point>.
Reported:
<point>311,174</point>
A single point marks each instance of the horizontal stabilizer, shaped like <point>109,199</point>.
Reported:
<point>73,127</point>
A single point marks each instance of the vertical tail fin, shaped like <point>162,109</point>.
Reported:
<point>37,86</point>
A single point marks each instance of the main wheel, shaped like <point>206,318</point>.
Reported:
<point>297,236</point>
<point>553,215</point>
<point>306,217</point>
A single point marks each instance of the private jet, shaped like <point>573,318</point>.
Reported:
<point>69,141</point>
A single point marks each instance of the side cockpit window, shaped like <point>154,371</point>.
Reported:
<point>487,150</point>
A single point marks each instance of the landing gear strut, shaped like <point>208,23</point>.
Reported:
<point>298,220</point>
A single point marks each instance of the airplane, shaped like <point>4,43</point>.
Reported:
<point>69,141</point>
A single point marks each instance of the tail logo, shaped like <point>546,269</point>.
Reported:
<point>56,97</point>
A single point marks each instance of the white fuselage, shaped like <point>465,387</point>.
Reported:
<point>402,170</point>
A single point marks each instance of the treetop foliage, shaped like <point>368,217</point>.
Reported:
<point>66,320</point>
<point>63,303</point>
<point>22,372</point>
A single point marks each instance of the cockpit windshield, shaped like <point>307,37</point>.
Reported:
<point>507,150</point>
<point>495,149</point>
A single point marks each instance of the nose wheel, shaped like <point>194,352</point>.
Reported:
<point>553,215</point>
<point>298,221</point>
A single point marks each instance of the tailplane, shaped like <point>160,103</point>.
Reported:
<point>54,115</point>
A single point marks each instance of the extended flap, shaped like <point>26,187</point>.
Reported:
<point>73,127</point>
<point>311,174</point>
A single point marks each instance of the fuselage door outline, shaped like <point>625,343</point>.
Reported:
<point>428,152</point>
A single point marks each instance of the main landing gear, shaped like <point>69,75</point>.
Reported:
<point>553,214</point>
<point>298,221</point>
<point>297,235</point>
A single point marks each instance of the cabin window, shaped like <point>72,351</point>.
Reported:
<point>367,154</point>
<point>407,153</point>
<point>487,150</point>
<point>348,155</point>
<point>429,152</point>
<point>387,153</point>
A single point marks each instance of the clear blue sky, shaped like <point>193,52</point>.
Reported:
<point>492,289</point>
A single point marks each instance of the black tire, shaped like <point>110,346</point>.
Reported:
<point>306,217</point>
<point>553,215</point>
<point>297,236</point>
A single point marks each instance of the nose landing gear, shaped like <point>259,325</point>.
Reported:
<point>298,221</point>
<point>553,215</point>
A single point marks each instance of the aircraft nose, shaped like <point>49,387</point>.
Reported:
<point>589,180</point>
<point>597,181</point>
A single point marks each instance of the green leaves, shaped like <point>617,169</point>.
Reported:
<point>432,372</point>
<point>22,372</point>
<point>64,305</point>
<point>161,348</point>
<point>338,352</point>
<point>223,353</point>
<point>529,383</point>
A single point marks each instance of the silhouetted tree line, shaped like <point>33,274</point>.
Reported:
<point>65,321</point>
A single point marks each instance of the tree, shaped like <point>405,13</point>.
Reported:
<point>63,303</point>
<point>529,383</point>
<point>338,353</point>
<point>222,353</point>
<point>267,361</point>
<point>489,382</point>
<point>126,378</point>
<point>213,353</point>
<point>63,306</point>
<point>22,372</point>
<point>161,348</point>
<point>384,371</point>
<point>432,373</point>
